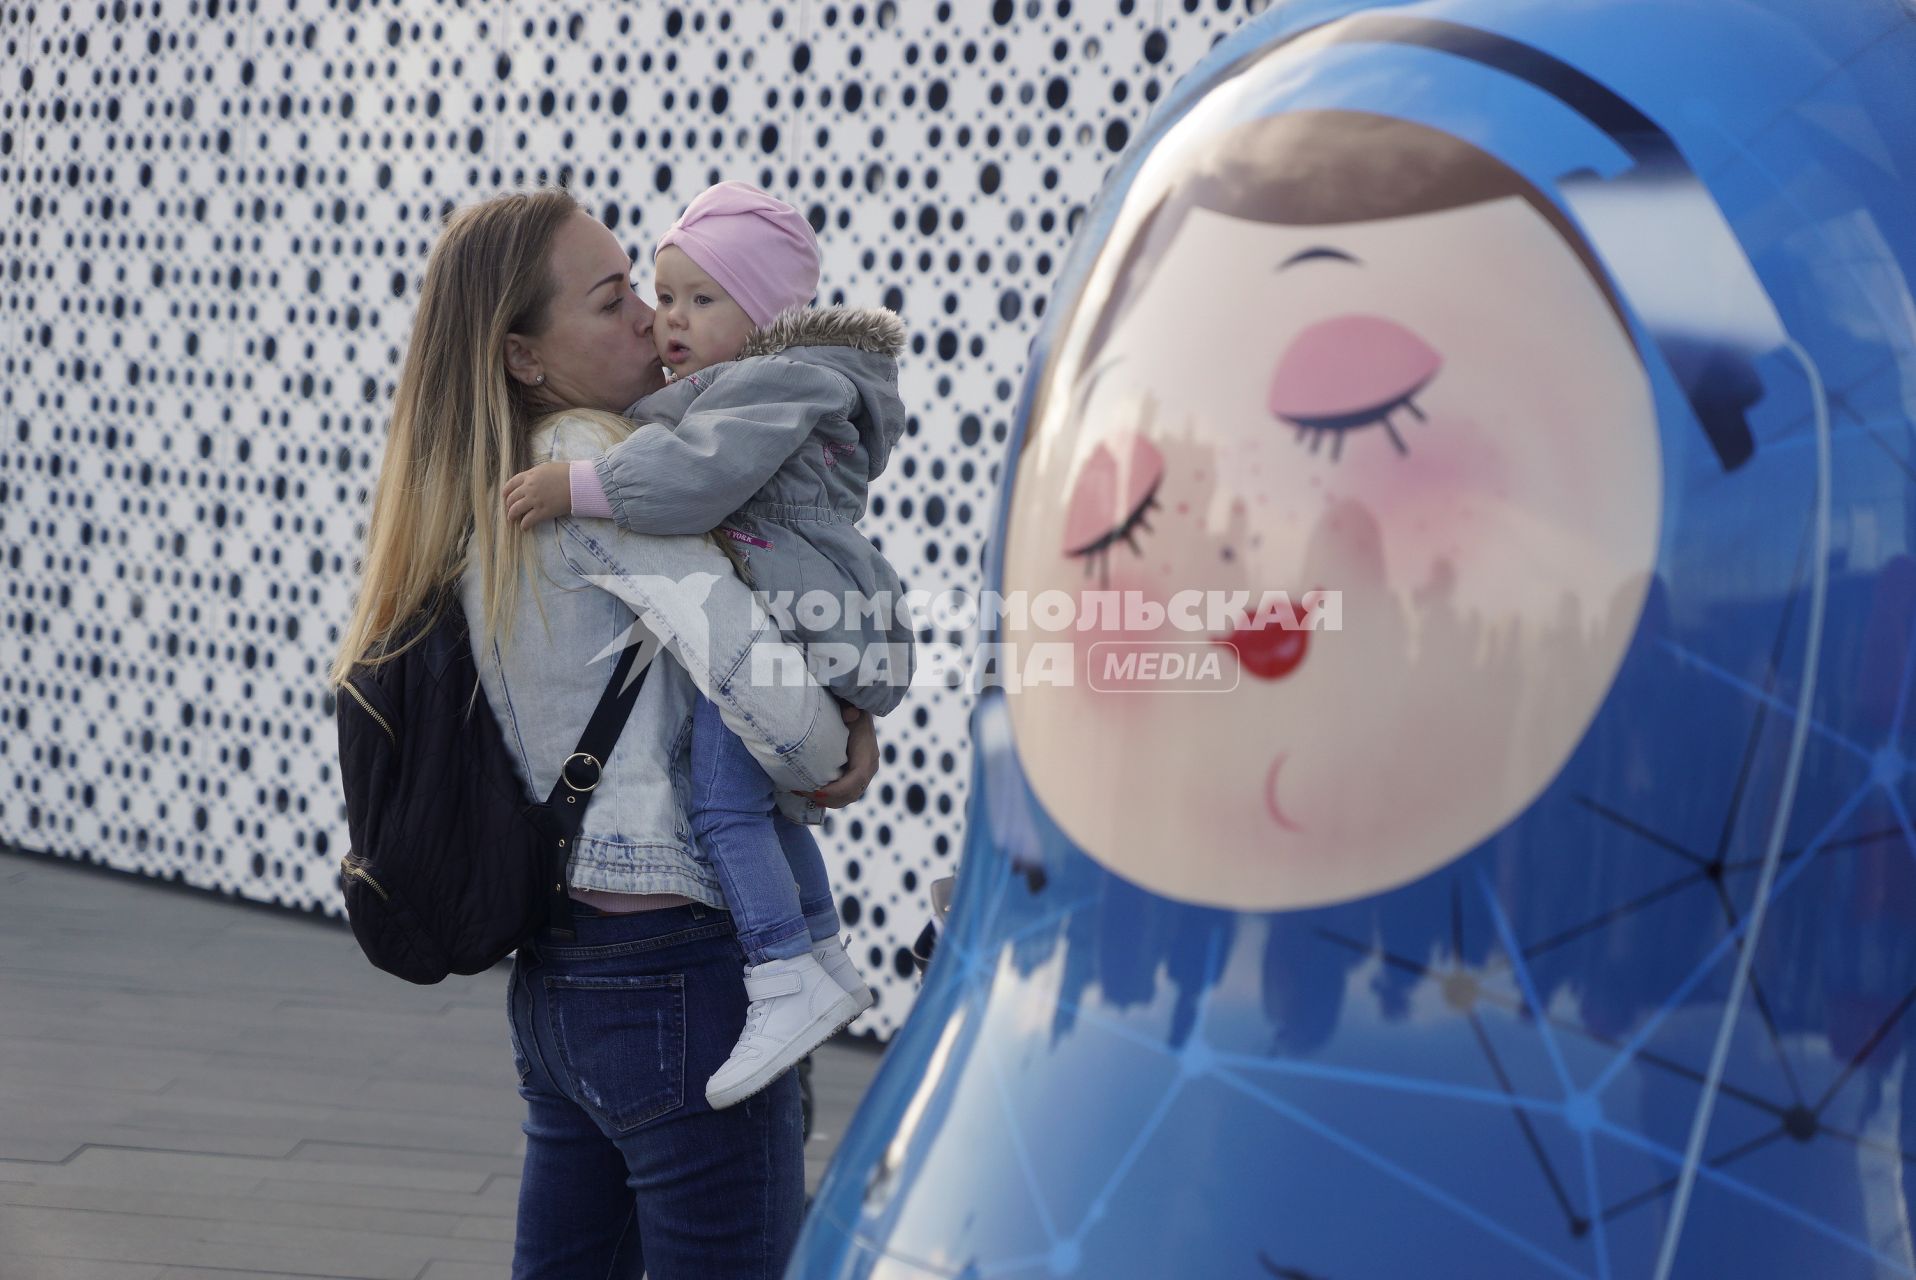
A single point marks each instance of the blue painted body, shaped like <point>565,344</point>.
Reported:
<point>1495,1069</point>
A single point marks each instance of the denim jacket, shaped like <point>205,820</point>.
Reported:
<point>591,578</point>
<point>777,449</point>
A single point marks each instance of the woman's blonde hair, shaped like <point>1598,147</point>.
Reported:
<point>460,427</point>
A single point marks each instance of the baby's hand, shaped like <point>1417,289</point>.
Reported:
<point>540,494</point>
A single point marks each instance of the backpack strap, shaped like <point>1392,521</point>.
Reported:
<point>579,778</point>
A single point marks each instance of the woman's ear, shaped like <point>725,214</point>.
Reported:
<point>522,361</point>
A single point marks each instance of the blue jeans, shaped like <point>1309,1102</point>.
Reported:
<point>768,865</point>
<point>628,1171</point>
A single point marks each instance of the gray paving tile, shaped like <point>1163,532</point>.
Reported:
<point>327,1151</point>
<point>486,1063</point>
<point>146,1203</point>
<point>85,1235</point>
<point>18,997</point>
<point>15,1266</point>
<point>135,1137</point>
<point>489,1227</point>
<point>462,1271</point>
<point>90,1166</point>
<point>209,1273</point>
<point>222,1093</point>
<point>315,1121</point>
<point>30,1062</point>
<point>499,1198</point>
<point>325,1249</point>
<point>404,1132</point>
<point>168,1024</point>
<point>97,1162</point>
<point>488,1102</point>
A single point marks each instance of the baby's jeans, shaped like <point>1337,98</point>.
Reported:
<point>769,866</point>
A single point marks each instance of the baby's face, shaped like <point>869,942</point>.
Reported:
<point>1437,416</point>
<point>698,323</point>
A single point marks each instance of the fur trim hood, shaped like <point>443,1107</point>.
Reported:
<point>872,329</point>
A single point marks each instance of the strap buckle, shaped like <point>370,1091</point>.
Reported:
<point>565,771</point>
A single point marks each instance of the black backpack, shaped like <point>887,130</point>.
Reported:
<point>451,867</point>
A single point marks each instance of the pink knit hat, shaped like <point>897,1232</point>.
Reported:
<point>757,248</point>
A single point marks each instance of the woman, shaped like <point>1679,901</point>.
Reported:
<point>527,310</point>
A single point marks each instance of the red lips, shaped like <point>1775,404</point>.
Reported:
<point>1265,646</point>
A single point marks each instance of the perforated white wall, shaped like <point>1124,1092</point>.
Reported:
<point>216,216</point>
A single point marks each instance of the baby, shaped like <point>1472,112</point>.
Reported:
<point>769,433</point>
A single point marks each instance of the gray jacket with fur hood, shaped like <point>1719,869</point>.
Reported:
<point>776,450</point>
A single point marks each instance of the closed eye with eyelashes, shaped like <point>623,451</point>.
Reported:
<point>1111,503</point>
<point>1097,553</point>
<point>1350,373</point>
<point>1312,431</point>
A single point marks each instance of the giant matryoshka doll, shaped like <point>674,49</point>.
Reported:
<point>1531,888</point>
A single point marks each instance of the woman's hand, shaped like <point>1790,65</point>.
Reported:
<point>861,762</point>
<point>542,493</point>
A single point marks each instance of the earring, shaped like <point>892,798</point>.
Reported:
<point>539,381</point>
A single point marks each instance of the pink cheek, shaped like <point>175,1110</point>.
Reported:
<point>1129,572</point>
<point>1088,647</point>
<point>1432,501</point>
<point>1092,648</point>
<point>1156,575</point>
<point>1153,576</point>
<point>1092,503</point>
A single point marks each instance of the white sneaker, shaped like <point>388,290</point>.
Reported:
<point>796,1006</point>
<point>831,954</point>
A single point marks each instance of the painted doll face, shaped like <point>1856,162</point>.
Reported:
<point>1437,416</point>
